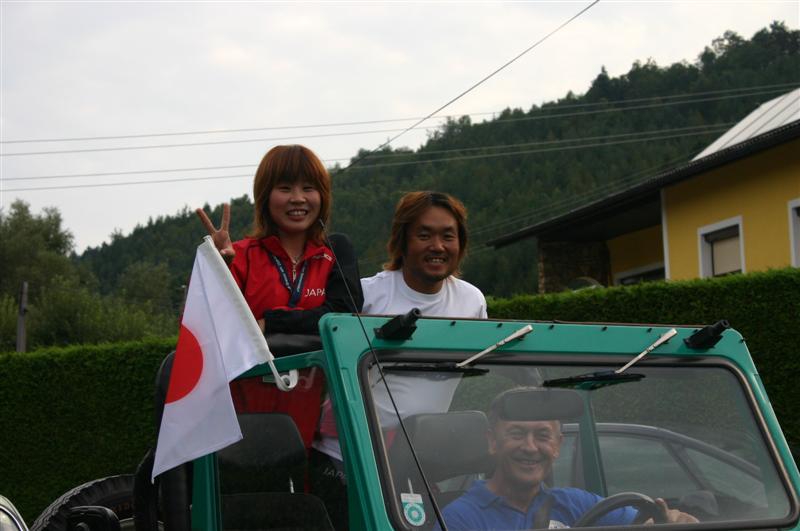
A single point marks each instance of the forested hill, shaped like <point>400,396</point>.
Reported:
<point>523,165</point>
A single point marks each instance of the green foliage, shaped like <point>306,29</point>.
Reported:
<point>8,323</point>
<point>162,251</point>
<point>33,248</point>
<point>74,414</point>
<point>506,193</point>
<point>764,307</point>
<point>64,305</point>
<point>145,283</point>
<point>68,313</point>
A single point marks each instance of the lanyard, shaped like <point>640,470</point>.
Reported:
<point>296,288</point>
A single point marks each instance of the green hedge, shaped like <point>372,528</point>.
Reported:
<point>763,307</point>
<point>74,414</point>
<point>70,415</point>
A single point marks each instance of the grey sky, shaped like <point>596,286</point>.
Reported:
<point>77,69</point>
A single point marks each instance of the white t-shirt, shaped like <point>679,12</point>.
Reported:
<point>388,294</point>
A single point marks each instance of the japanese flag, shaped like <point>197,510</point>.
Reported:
<point>219,339</point>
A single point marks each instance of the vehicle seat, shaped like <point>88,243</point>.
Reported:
<point>448,445</point>
<point>260,477</point>
<point>270,457</point>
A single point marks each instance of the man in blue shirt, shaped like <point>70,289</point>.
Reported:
<point>514,497</point>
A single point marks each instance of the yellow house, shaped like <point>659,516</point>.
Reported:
<point>734,208</point>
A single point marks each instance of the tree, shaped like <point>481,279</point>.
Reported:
<point>68,313</point>
<point>145,283</point>
<point>64,304</point>
<point>33,248</point>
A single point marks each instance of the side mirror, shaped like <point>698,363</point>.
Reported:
<point>400,327</point>
<point>708,336</point>
<point>92,518</point>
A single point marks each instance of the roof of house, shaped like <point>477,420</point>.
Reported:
<point>769,115</point>
<point>773,123</point>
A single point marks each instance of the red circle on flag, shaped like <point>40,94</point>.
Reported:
<point>187,367</point>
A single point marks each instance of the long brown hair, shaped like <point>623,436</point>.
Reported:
<point>410,207</point>
<point>289,165</point>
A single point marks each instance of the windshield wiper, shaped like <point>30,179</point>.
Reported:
<point>596,380</point>
<point>527,329</point>
<point>592,380</point>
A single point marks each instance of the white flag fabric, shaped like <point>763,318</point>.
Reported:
<point>219,339</point>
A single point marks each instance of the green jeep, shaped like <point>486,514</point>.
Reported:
<point>688,422</point>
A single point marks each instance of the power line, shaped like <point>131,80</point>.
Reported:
<point>128,183</point>
<point>634,107</point>
<point>360,158</point>
<point>557,208</point>
<point>779,87</point>
<point>352,133</point>
<point>555,106</point>
<point>542,212</point>
<point>546,150</point>
<point>444,159</point>
<point>389,155</point>
<point>473,87</point>
<point>550,142</point>
<point>616,184</point>
<point>209,143</point>
<point>131,172</point>
<point>213,131</point>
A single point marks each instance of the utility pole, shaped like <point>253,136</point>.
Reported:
<point>23,309</point>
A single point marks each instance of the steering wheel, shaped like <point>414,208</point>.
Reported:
<point>646,506</point>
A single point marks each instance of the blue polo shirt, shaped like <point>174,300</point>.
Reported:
<point>479,508</point>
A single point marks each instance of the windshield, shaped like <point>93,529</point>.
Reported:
<point>687,435</point>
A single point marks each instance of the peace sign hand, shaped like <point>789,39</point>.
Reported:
<point>221,237</point>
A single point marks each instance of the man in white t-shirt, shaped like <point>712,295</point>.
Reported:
<point>427,243</point>
<point>426,246</point>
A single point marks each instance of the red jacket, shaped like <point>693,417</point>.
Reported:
<point>260,280</point>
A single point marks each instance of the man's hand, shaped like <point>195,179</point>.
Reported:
<point>221,237</point>
<point>675,516</point>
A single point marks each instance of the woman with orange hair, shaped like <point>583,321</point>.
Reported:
<point>285,268</point>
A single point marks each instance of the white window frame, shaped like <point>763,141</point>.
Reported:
<point>618,277</point>
<point>704,248</point>
<point>794,232</point>
<point>664,233</point>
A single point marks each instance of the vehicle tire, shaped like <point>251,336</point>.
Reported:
<point>114,492</point>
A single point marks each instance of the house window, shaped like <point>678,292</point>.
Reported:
<point>794,230</point>
<point>725,256</point>
<point>721,248</point>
